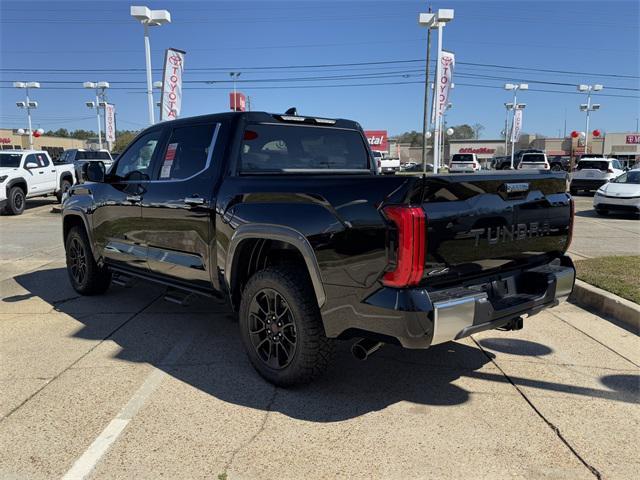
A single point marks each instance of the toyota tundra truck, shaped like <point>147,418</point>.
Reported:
<point>31,173</point>
<point>285,217</point>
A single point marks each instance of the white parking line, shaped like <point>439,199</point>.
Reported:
<point>83,467</point>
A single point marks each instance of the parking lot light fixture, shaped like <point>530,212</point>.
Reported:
<point>28,104</point>
<point>588,107</point>
<point>100,102</point>
<point>515,87</point>
<point>234,76</point>
<point>149,18</point>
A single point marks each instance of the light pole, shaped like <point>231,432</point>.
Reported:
<point>507,108</point>
<point>588,107</point>
<point>234,76</point>
<point>28,104</point>
<point>149,18</point>
<point>158,86</point>
<point>426,19</point>
<point>442,17</point>
<point>515,87</point>
<point>99,87</point>
<point>444,129</point>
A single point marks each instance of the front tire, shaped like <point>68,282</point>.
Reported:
<point>64,186</point>
<point>87,278</point>
<point>602,212</point>
<point>16,201</point>
<point>281,327</point>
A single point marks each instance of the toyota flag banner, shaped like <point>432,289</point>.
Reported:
<point>517,126</point>
<point>110,122</point>
<point>445,71</point>
<point>171,100</point>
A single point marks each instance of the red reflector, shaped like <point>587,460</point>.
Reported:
<point>410,223</point>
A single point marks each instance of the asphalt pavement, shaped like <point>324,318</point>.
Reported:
<point>126,385</point>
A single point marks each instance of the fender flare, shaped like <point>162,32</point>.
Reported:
<point>75,212</point>
<point>13,182</point>
<point>284,234</point>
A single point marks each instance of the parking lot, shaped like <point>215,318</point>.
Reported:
<point>128,385</point>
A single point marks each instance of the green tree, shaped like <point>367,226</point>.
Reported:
<point>123,138</point>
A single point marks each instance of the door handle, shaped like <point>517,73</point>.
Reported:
<point>194,201</point>
<point>41,173</point>
<point>134,198</point>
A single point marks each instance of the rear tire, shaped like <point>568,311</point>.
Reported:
<point>281,327</point>
<point>64,186</point>
<point>573,191</point>
<point>87,278</point>
<point>16,201</point>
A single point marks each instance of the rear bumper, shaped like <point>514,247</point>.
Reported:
<point>419,318</point>
<point>584,184</point>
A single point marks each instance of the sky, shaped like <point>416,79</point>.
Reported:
<point>289,54</point>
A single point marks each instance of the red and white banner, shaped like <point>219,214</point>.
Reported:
<point>171,100</point>
<point>378,140</point>
<point>237,102</point>
<point>517,125</point>
<point>110,122</point>
<point>446,64</point>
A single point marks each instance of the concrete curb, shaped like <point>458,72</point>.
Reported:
<point>607,304</point>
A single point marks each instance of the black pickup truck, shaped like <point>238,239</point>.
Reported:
<point>285,216</point>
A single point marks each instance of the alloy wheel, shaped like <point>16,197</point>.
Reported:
<point>272,328</point>
<point>78,261</point>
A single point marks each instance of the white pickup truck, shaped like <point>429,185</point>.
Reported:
<point>31,173</point>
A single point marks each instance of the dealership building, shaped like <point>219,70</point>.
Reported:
<point>10,140</point>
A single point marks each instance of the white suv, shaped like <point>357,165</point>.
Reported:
<point>30,173</point>
<point>593,172</point>
<point>464,163</point>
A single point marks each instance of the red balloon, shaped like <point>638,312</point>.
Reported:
<point>596,133</point>
<point>36,134</point>
<point>575,134</point>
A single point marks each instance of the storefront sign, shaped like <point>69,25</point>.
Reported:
<point>378,140</point>
<point>633,138</point>
<point>171,100</point>
<point>5,140</point>
<point>478,150</point>
<point>237,102</point>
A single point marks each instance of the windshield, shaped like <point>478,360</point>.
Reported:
<point>10,160</point>
<point>632,177</point>
<point>533,158</point>
<point>462,157</point>
<point>593,165</point>
<point>295,148</point>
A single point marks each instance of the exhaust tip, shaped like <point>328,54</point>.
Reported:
<point>364,348</point>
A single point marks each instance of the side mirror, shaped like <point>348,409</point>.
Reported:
<point>93,172</point>
<point>30,165</point>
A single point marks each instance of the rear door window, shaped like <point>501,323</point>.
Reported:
<point>187,152</point>
<point>285,148</point>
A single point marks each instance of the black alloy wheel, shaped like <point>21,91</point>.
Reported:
<point>77,261</point>
<point>272,329</point>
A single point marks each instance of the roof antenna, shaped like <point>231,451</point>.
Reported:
<point>291,111</point>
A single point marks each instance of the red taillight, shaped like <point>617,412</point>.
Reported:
<point>411,241</point>
<point>572,210</point>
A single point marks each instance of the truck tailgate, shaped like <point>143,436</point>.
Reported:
<point>493,221</point>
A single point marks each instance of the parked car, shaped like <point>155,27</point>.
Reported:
<point>504,162</point>
<point>560,163</point>
<point>593,172</point>
<point>30,173</point>
<point>286,218</point>
<point>622,194</point>
<point>417,167</point>
<point>80,156</point>
<point>464,163</point>
<point>533,161</point>
<point>386,166</point>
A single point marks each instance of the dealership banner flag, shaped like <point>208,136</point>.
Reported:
<point>517,126</point>
<point>446,62</point>
<point>110,122</point>
<point>171,100</point>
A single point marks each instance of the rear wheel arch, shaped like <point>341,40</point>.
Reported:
<point>256,247</point>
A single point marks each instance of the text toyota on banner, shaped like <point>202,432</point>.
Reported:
<point>446,64</point>
<point>517,125</point>
<point>172,84</point>
<point>110,122</point>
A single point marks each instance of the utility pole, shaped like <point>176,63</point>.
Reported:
<point>425,119</point>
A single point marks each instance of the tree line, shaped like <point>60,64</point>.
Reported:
<point>123,137</point>
<point>460,132</point>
